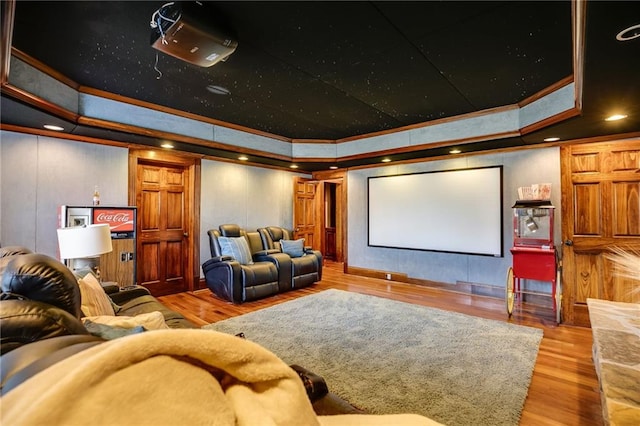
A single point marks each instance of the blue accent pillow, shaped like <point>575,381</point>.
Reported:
<point>110,332</point>
<point>236,247</point>
<point>294,248</point>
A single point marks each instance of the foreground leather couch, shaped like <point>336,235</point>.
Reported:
<point>40,299</point>
<point>55,372</point>
<point>164,377</point>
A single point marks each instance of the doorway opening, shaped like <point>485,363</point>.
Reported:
<point>330,224</point>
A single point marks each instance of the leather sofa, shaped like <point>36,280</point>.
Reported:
<point>237,280</point>
<point>305,269</point>
<point>267,269</point>
<point>28,360</point>
<point>40,320</point>
<point>40,299</point>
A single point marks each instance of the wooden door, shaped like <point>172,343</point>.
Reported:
<point>162,231</point>
<point>166,188</point>
<point>340,212</point>
<point>601,209</point>
<point>305,212</point>
<point>333,241</point>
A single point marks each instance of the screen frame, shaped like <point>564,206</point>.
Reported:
<point>496,246</point>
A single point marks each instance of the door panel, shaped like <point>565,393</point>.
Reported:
<point>175,218</point>
<point>601,210</point>
<point>331,213</point>
<point>587,196</point>
<point>174,272</point>
<point>162,230</point>
<point>626,216</point>
<point>587,278</point>
<point>166,189</point>
<point>304,212</point>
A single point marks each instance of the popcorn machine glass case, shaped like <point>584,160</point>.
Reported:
<point>533,224</point>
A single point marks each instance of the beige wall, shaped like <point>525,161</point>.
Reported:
<point>37,174</point>
<point>520,168</point>
<point>40,173</point>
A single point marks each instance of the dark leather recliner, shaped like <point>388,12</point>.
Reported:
<point>306,269</point>
<point>40,299</point>
<point>229,279</point>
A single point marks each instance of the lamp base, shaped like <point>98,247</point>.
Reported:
<point>91,263</point>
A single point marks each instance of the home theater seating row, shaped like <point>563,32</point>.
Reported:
<point>261,266</point>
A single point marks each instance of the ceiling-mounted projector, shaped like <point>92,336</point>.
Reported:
<point>186,31</point>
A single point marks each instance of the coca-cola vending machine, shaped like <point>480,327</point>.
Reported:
<point>119,266</point>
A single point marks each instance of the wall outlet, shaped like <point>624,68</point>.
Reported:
<point>388,276</point>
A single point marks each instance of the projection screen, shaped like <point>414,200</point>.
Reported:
<point>458,211</point>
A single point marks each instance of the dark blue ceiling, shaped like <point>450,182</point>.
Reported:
<point>338,69</point>
<point>315,70</point>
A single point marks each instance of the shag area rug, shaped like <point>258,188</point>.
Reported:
<point>388,357</point>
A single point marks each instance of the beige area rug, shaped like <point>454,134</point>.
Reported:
<point>390,357</point>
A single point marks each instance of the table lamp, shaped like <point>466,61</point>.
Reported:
<point>83,245</point>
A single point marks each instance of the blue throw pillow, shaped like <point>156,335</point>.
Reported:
<point>294,248</point>
<point>110,332</point>
<point>236,247</point>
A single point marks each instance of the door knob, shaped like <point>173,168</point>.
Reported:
<point>186,235</point>
<point>568,242</point>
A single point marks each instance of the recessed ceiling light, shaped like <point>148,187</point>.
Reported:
<point>294,166</point>
<point>386,160</point>
<point>615,117</point>
<point>243,158</point>
<point>553,139</point>
<point>53,127</point>
<point>218,90</point>
<point>333,167</point>
<point>629,33</point>
<point>167,145</point>
<point>455,151</point>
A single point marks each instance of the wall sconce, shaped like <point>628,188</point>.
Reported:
<point>83,245</point>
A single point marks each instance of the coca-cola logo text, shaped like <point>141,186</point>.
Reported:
<point>114,217</point>
<point>118,220</point>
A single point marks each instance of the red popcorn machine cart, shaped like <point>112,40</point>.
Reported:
<point>534,253</point>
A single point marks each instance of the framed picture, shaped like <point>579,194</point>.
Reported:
<point>78,220</point>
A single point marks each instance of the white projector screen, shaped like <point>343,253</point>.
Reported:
<point>458,211</point>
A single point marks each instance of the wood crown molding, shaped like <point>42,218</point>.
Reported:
<point>45,69</point>
<point>178,138</point>
<point>130,101</point>
<point>38,102</point>
<point>6,36</point>
<point>8,9</point>
<point>176,112</point>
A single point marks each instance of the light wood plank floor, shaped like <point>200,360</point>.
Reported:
<point>564,388</point>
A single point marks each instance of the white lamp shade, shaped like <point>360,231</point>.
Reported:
<point>78,242</point>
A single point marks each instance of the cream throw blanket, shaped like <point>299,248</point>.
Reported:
<point>173,377</point>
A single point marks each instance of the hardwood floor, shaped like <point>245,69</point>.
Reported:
<point>564,387</point>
